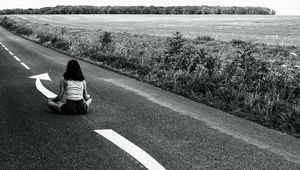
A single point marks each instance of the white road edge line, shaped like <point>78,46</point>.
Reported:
<point>136,152</point>
<point>11,53</point>
<point>16,58</point>
<point>23,64</point>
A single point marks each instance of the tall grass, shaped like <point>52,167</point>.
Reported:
<point>258,82</point>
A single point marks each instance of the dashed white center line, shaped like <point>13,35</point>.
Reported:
<point>136,152</point>
<point>16,58</point>
<point>23,64</point>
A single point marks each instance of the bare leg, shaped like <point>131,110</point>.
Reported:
<point>88,102</point>
<point>55,106</point>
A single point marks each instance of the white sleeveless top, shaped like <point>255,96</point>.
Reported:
<point>74,90</point>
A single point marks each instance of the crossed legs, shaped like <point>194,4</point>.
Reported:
<point>56,106</point>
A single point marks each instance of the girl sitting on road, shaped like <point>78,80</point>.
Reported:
<point>73,87</point>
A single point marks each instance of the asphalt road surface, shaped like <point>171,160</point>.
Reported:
<point>176,132</point>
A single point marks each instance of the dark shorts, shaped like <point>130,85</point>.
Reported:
<point>74,107</point>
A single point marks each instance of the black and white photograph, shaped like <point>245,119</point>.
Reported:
<point>150,84</point>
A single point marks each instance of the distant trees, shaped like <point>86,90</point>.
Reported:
<point>217,10</point>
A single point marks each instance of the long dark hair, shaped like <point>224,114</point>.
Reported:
<point>73,71</point>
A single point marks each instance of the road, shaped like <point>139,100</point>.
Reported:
<point>176,132</point>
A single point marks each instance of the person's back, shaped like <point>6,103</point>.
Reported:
<point>74,90</point>
<point>73,87</point>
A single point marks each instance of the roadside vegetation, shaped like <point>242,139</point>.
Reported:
<point>255,81</point>
<point>199,10</point>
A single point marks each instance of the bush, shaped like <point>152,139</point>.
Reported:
<point>8,23</point>
<point>106,39</point>
<point>239,42</point>
<point>60,44</point>
<point>203,38</point>
<point>24,31</point>
<point>175,44</point>
<point>44,37</point>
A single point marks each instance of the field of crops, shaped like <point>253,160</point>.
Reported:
<point>280,30</point>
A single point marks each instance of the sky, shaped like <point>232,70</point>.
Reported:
<point>282,7</point>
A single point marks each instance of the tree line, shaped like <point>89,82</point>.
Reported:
<point>200,10</point>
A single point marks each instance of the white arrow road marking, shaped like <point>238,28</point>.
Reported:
<point>41,87</point>
<point>131,148</point>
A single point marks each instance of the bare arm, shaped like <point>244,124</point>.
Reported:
<point>61,91</point>
<point>85,93</point>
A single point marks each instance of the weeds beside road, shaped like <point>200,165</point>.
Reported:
<point>258,82</point>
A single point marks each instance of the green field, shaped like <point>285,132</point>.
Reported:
<point>279,30</point>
